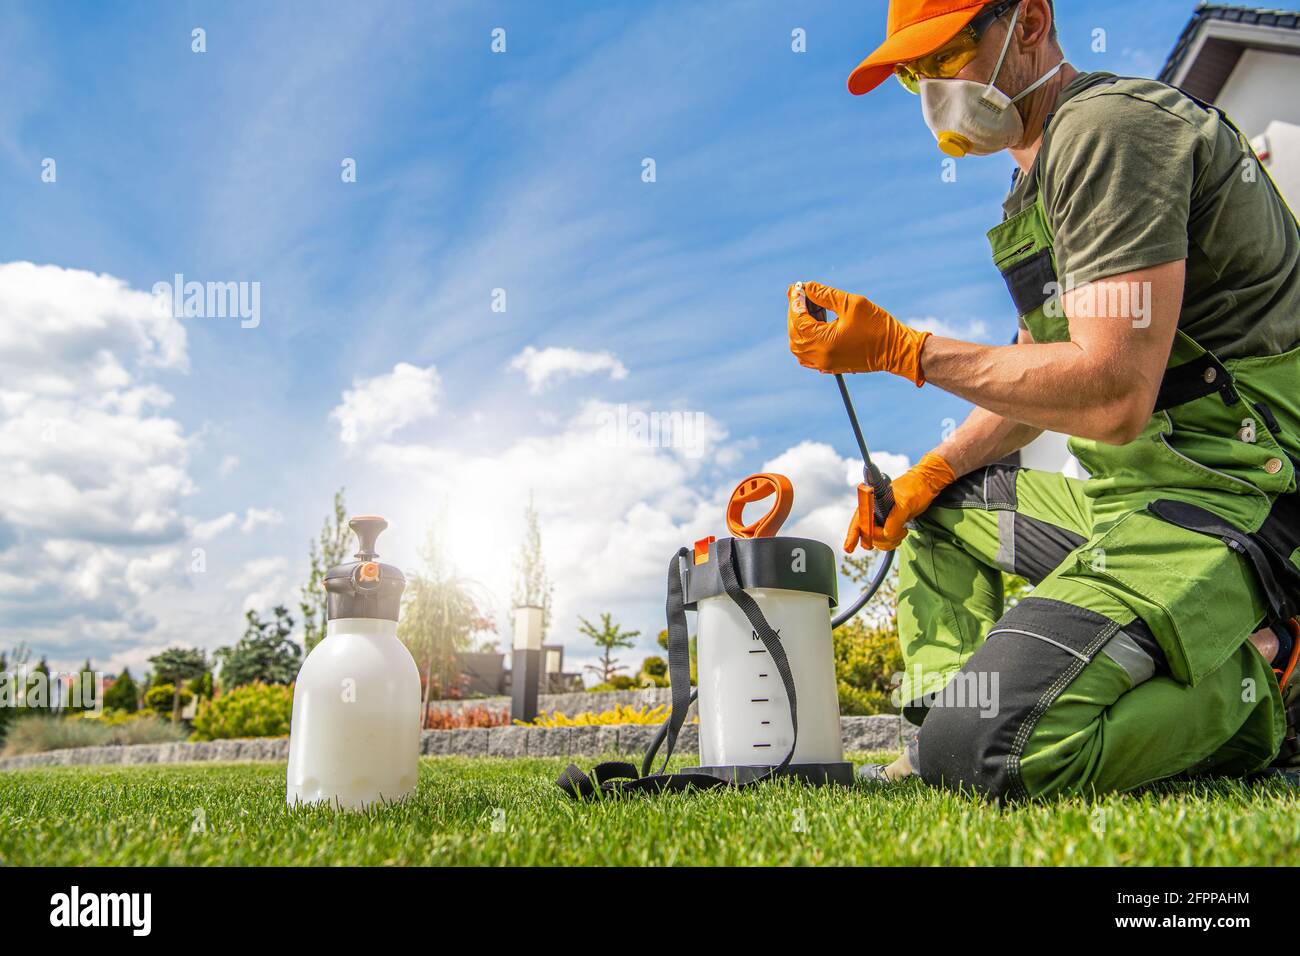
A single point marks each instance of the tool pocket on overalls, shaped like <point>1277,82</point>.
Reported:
<point>1235,444</point>
<point>1268,386</point>
<point>1198,597</point>
<point>1022,252</point>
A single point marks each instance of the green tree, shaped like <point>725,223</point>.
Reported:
<point>441,611</point>
<point>86,684</point>
<point>868,657</point>
<point>609,637</point>
<point>174,666</point>
<point>330,548</point>
<point>533,587</point>
<point>43,699</point>
<point>162,699</point>
<point>867,661</point>
<point>9,700</point>
<point>654,672</point>
<point>265,653</point>
<point>201,686</point>
<point>1014,590</point>
<point>123,694</point>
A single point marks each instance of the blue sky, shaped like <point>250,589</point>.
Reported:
<point>475,171</point>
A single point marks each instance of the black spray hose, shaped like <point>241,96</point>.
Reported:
<point>848,613</point>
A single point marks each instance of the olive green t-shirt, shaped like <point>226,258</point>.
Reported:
<point>1136,174</point>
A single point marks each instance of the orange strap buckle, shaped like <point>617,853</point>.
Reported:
<point>756,488</point>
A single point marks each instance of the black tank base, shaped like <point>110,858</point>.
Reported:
<point>815,774</point>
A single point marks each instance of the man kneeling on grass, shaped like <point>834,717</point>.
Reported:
<point>1155,269</point>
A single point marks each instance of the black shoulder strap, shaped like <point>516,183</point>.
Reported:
<point>618,777</point>
<point>1189,381</point>
<point>679,657</point>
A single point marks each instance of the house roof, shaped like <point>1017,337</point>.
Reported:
<point>1214,39</point>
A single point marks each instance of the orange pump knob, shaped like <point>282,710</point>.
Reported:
<point>756,488</point>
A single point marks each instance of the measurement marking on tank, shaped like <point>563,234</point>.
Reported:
<point>762,745</point>
<point>762,675</point>
<point>764,722</point>
<point>758,700</point>
<point>758,651</point>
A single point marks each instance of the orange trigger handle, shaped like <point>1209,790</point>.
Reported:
<point>867,507</point>
<point>756,488</point>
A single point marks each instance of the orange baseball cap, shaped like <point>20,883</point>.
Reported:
<point>915,28</point>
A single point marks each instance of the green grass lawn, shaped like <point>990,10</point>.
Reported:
<point>491,811</point>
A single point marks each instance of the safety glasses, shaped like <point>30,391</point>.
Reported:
<point>947,61</point>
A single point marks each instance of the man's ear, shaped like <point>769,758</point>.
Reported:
<point>1035,24</point>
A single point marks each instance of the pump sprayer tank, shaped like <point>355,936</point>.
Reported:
<point>355,734</point>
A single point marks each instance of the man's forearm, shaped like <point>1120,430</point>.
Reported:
<point>1102,384</point>
<point>982,438</point>
<point>1057,386</point>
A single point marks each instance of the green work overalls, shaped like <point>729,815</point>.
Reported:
<point>1129,661</point>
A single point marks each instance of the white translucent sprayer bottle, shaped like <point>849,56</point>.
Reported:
<point>355,735</point>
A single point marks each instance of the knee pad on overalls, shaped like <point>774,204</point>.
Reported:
<point>976,731</point>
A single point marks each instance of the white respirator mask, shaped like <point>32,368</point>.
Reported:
<point>975,118</point>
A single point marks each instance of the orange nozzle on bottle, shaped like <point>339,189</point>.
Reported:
<point>368,573</point>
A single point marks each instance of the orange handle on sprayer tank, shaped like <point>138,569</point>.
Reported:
<point>756,488</point>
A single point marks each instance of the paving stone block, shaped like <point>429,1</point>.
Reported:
<point>507,741</point>
<point>873,733</point>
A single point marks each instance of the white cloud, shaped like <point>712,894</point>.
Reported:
<point>228,465</point>
<point>148,571</point>
<point>379,407</point>
<point>975,330</point>
<point>255,572</point>
<point>545,367</point>
<point>94,473</point>
<point>265,581</point>
<point>84,451</point>
<point>62,330</point>
<point>207,530</point>
<point>254,517</point>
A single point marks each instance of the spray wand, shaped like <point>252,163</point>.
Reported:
<point>881,488</point>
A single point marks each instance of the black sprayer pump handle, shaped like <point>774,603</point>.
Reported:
<point>367,529</point>
<point>884,495</point>
<point>872,475</point>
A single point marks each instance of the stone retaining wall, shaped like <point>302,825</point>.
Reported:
<point>571,704</point>
<point>882,733</point>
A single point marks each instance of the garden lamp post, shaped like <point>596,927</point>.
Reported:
<point>527,664</point>
<point>554,657</point>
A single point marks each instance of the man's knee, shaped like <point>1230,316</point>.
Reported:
<point>978,731</point>
<point>958,749</point>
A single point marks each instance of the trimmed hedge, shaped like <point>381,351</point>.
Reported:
<point>254,710</point>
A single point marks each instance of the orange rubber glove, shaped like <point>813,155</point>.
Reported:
<point>864,337</point>
<point>913,492</point>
